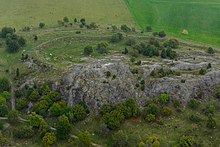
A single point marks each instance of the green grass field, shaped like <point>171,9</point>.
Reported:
<point>199,17</point>
<point>30,12</point>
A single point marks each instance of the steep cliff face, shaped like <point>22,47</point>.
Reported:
<point>102,82</point>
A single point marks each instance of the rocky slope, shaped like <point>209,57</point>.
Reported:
<point>111,81</point>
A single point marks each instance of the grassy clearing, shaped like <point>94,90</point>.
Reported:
<point>30,12</point>
<point>199,17</point>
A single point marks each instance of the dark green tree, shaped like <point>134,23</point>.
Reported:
<point>63,127</point>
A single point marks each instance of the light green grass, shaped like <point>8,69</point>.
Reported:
<point>20,13</point>
<point>199,17</point>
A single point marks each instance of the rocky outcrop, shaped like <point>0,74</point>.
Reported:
<point>100,82</point>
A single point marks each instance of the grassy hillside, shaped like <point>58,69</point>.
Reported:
<point>30,12</point>
<point>199,17</point>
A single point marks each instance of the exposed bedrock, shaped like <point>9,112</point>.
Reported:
<point>101,82</point>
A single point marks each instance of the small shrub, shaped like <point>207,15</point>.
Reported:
<point>162,34</point>
<point>41,25</point>
<point>119,139</point>
<point>49,139</point>
<point>193,104</point>
<point>131,42</point>
<point>23,132</point>
<point>88,50</point>
<point>195,118</point>
<point>150,118</point>
<point>166,111</point>
<point>210,50</point>
<point>149,29</point>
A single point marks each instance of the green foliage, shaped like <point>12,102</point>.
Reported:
<point>34,96</point>
<point>6,95</point>
<point>153,141</point>
<point>153,109</point>
<point>119,139</point>
<point>21,103</point>
<point>83,21</point>
<point>3,110</point>
<point>113,119</point>
<point>21,41</point>
<point>130,103</point>
<point>164,99</point>
<point>43,128</point>
<point>193,104</point>
<point>92,26</point>
<point>13,116</point>
<point>6,31</point>
<point>210,50</point>
<point>172,43</point>
<point>76,113</point>
<point>211,123</point>
<point>23,132</point>
<point>102,48</point>
<point>84,139</point>
<point>35,120</point>
<point>116,38</point>
<point>58,109</point>
<point>106,108</point>
<point>66,19</point>
<point>168,53</point>
<point>41,107</point>
<point>47,99</point>
<point>41,25</point>
<point>126,111</point>
<point>54,96</point>
<point>12,45</point>
<point>162,34</point>
<point>131,42</point>
<point>49,139</point>
<point>187,141</point>
<point>202,71</point>
<point>63,127</point>
<point>3,140</point>
<point>125,28</point>
<point>150,118</point>
<point>149,29</point>
<point>195,118</point>
<point>166,111</point>
<point>88,50</point>
<point>125,51</point>
<point>4,85</point>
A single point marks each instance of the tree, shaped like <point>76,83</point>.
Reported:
<point>193,104</point>
<point>125,28</point>
<point>17,72</point>
<point>6,31</point>
<point>102,47</point>
<point>41,107</point>
<point>211,123</point>
<point>66,19</point>
<point>106,108</point>
<point>41,25</point>
<point>21,41</point>
<point>3,110</point>
<point>187,141</point>
<point>133,105</point>
<point>153,141</point>
<point>23,132</point>
<point>3,140</point>
<point>21,103</point>
<point>76,113</point>
<point>6,95</point>
<point>83,21</point>
<point>58,109</point>
<point>210,50</point>
<point>54,95</point>
<point>35,120</point>
<point>164,99</point>
<point>113,119</point>
<point>162,34</point>
<point>84,139</point>
<point>126,111</point>
<point>12,45</point>
<point>164,54</point>
<point>75,20</point>
<point>88,50</point>
<point>13,116</point>
<point>172,43</point>
<point>166,111</point>
<point>119,139</point>
<point>153,109</point>
<point>63,127</point>
<point>131,42</point>
<point>116,38</point>
<point>150,118</point>
<point>49,139</point>
<point>34,95</point>
<point>149,29</point>
<point>4,85</point>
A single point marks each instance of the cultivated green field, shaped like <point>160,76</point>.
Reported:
<point>20,13</point>
<point>199,17</point>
